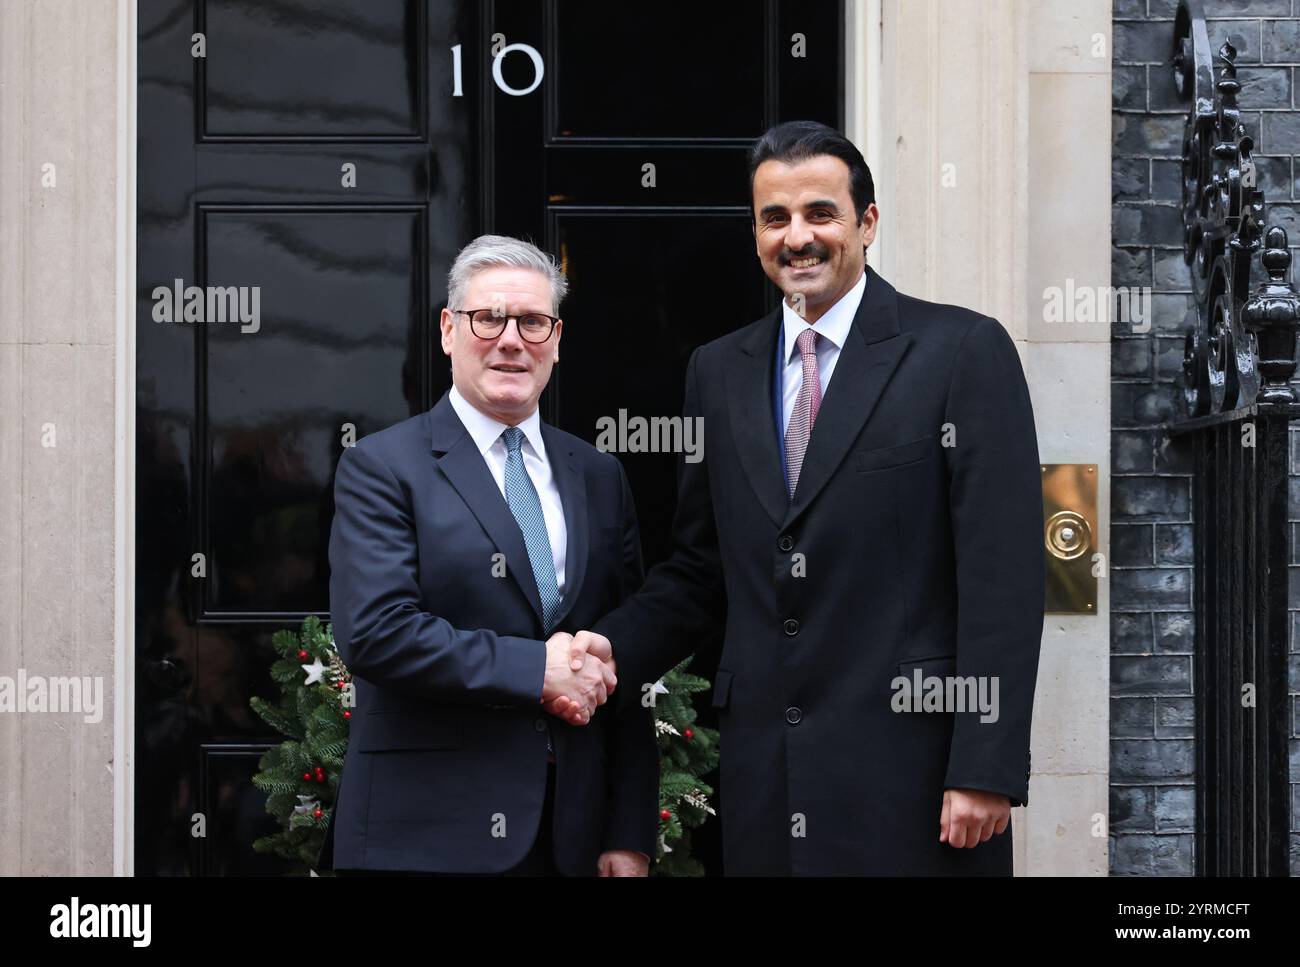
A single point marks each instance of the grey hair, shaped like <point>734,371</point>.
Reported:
<point>488,251</point>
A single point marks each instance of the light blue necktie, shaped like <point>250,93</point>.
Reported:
<point>524,503</point>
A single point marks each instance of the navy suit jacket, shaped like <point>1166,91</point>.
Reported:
<point>437,616</point>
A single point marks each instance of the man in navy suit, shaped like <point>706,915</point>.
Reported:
<point>867,516</point>
<point>467,543</point>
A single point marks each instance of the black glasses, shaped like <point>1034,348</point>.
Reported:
<point>488,324</point>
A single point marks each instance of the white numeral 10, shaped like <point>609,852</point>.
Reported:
<point>539,70</point>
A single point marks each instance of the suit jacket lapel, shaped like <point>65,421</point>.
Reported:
<point>749,404</point>
<point>573,497</point>
<point>867,360</point>
<point>464,467</point>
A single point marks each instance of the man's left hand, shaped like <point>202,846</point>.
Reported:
<point>623,862</point>
<point>972,816</point>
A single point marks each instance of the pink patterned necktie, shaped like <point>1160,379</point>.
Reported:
<point>806,406</point>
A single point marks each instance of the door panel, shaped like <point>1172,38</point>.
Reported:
<point>674,70</point>
<point>331,68</point>
<point>340,288</point>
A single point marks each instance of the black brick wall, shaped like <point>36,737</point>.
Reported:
<point>1152,761</point>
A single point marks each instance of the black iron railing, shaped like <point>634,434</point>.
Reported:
<point>1239,357</point>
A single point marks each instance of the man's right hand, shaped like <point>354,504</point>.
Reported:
<point>577,680</point>
<point>590,643</point>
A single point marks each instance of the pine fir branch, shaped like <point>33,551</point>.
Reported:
<point>277,718</point>
<point>335,749</point>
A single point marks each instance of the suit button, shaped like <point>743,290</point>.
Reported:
<point>540,725</point>
<point>786,543</point>
<point>791,627</point>
<point>793,715</point>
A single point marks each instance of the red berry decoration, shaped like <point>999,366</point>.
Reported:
<point>347,715</point>
<point>665,815</point>
<point>318,814</point>
<point>307,776</point>
<point>689,734</point>
<point>302,653</point>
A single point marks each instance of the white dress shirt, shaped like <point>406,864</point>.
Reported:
<point>833,327</point>
<point>487,437</point>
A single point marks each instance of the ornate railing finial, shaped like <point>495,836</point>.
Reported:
<point>1273,317</point>
<point>1223,220</point>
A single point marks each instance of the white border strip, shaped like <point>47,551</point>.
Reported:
<point>124,453</point>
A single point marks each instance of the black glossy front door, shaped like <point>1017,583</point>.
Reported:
<point>333,156</point>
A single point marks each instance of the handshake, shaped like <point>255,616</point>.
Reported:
<point>579,675</point>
